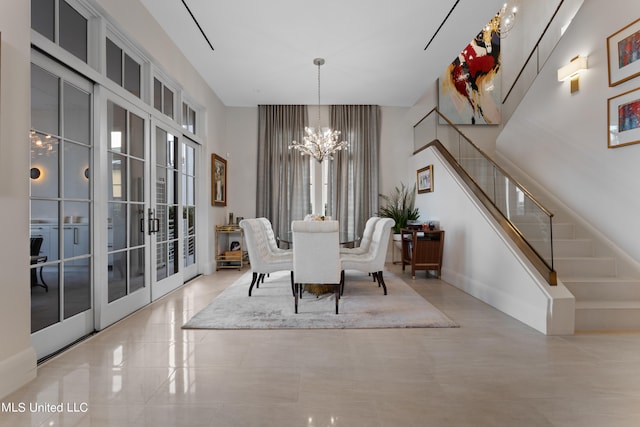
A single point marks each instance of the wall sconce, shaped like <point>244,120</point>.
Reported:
<point>572,71</point>
<point>35,173</point>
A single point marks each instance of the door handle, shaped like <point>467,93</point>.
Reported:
<point>152,214</point>
<point>154,223</point>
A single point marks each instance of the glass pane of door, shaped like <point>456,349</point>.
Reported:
<point>188,173</point>
<point>166,204</point>
<point>126,202</point>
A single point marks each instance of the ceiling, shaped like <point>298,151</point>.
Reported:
<point>375,53</point>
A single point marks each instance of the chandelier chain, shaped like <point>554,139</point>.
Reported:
<point>319,64</point>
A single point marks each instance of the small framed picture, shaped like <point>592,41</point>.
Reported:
<point>219,185</point>
<point>624,119</point>
<point>623,51</point>
<point>425,179</point>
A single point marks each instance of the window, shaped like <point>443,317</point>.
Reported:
<point>114,62</point>
<point>43,17</point>
<point>188,118</point>
<point>163,98</point>
<point>72,26</point>
<point>123,69</point>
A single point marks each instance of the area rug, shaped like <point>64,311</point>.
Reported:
<point>363,305</point>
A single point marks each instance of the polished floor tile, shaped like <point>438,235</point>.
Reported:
<point>492,371</point>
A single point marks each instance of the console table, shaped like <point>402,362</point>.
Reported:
<point>422,250</point>
<point>225,256</point>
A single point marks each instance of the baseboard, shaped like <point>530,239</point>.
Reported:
<point>17,370</point>
<point>527,313</point>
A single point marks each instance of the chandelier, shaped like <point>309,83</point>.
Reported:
<point>503,21</point>
<point>43,145</point>
<point>319,143</point>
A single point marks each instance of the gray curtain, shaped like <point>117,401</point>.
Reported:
<point>353,183</point>
<point>283,184</point>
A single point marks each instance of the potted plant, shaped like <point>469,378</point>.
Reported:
<point>399,205</point>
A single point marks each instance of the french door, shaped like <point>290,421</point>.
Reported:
<point>165,211</point>
<point>112,206</point>
<point>149,209</point>
<point>61,206</point>
<point>173,208</point>
<point>190,183</point>
<point>124,285</point>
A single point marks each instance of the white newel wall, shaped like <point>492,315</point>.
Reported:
<point>481,260</point>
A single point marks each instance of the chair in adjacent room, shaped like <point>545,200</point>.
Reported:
<point>316,256</point>
<point>36,258</point>
<point>262,260</point>
<point>373,260</point>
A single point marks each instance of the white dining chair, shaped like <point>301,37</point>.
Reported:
<point>262,260</point>
<point>369,226</point>
<point>373,260</point>
<point>316,256</point>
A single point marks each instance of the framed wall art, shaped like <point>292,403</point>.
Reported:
<point>425,179</point>
<point>469,90</point>
<point>623,51</point>
<point>219,186</point>
<point>624,119</point>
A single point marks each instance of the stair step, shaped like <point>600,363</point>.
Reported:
<point>564,248</point>
<point>603,288</point>
<point>607,316</point>
<point>524,218</point>
<point>563,230</point>
<point>572,247</point>
<point>606,305</point>
<point>585,266</point>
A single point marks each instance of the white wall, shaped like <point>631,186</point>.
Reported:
<point>563,137</point>
<point>17,358</point>
<point>242,160</point>
<point>396,146</point>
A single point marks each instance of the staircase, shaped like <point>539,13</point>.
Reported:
<point>606,298</point>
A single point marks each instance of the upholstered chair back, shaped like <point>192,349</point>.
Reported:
<point>270,237</point>
<point>261,258</point>
<point>369,227</point>
<point>316,252</point>
<point>380,243</point>
<point>256,243</point>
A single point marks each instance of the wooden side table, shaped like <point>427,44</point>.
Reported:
<point>422,249</point>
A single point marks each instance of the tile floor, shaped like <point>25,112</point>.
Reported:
<point>492,371</point>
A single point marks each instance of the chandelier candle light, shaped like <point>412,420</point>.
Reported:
<point>503,21</point>
<point>318,142</point>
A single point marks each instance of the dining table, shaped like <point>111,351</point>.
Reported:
<point>347,239</point>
